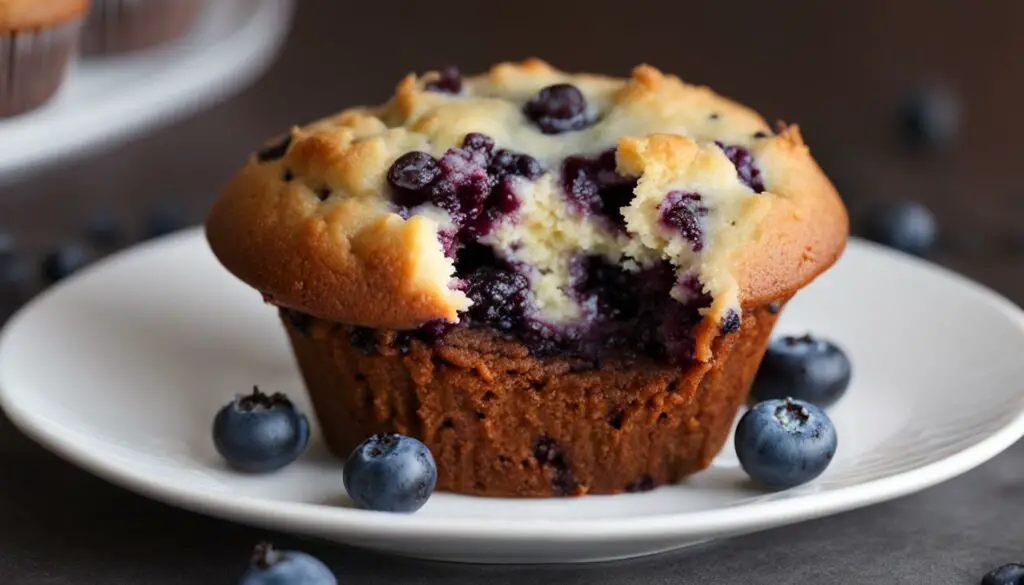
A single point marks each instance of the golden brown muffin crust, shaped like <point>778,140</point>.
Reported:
<point>314,229</point>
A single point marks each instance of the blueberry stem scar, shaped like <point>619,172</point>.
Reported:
<point>261,555</point>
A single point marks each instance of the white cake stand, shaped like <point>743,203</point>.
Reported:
<point>107,100</point>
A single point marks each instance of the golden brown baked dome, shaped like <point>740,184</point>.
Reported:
<point>537,193</point>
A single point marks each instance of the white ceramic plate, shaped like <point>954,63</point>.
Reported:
<point>121,369</point>
<point>105,100</point>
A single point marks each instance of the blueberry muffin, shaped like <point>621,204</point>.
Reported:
<point>124,26</point>
<point>561,283</point>
<point>37,40</point>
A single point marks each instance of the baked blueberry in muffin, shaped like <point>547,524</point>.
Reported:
<point>530,257</point>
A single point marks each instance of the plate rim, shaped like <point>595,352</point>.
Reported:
<point>357,523</point>
<point>262,34</point>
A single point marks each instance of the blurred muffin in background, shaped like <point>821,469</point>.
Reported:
<point>122,26</point>
<point>37,39</point>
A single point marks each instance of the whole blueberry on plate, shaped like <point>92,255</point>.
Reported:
<point>905,225</point>
<point>805,368</point>
<point>62,262</point>
<point>285,567</point>
<point>390,473</point>
<point>260,432</point>
<point>1011,574</point>
<point>785,443</point>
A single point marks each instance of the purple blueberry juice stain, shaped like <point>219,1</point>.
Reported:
<point>623,312</point>
<point>634,312</point>
<point>580,185</point>
<point>593,187</point>
<point>447,238</point>
<point>474,183</point>
<point>746,168</point>
<point>685,213</point>
<point>500,297</point>
<point>462,186</point>
<point>691,289</point>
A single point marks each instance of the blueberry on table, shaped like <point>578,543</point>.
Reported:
<point>931,119</point>
<point>18,279</point>
<point>16,273</point>
<point>1011,574</point>
<point>905,225</point>
<point>7,245</point>
<point>785,443</point>
<point>285,567</point>
<point>805,368</point>
<point>390,473</point>
<point>260,432</point>
<point>63,262</point>
<point>103,228</point>
<point>163,220</point>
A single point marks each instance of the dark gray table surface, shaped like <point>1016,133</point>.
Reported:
<point>837,68</point>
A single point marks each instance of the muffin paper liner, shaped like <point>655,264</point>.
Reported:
<point>122,26</point>
<point>33,64</point>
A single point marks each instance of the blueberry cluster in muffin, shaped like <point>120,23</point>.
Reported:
<point>569,213</point>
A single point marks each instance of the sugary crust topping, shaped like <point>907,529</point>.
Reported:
<point>32,14</point>
<point>312,225</point>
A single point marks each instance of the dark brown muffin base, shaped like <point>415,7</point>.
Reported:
<point>122,26</point>
<point>501,422</point>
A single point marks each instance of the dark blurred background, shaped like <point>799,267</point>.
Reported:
<point>861,78</point>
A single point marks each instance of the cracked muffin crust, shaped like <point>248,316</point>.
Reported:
<point>636,225</point>
<point>362,217</point>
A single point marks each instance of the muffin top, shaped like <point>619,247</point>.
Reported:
<point>572,211</point>
<point>33,14</point>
